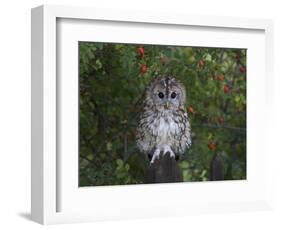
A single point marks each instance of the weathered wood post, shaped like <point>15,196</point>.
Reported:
<point>216,168</point>
<point>166,170</point>
<point>163,170</point>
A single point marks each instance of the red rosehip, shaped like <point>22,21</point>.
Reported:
<point>141,51</point>
<point>190,109</point>
<point>242,69</point>
<point>212,146</point>
<point>226,89</point>
<point>143,68</point>
<point>201,62</point>
<point>221,77</point>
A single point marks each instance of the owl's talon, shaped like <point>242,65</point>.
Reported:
<point>155,156</point>
<point>167,149</point>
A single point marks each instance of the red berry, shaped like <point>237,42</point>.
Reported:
<point>242,69</point>
<point>212,146</point>
<point>143,68</point>
<point>226,89</point>
<point>141,51</point>
<point>221,77</point>
<point>201,62</point>
<point>190,109</point>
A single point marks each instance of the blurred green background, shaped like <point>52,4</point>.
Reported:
<point>112,79</point>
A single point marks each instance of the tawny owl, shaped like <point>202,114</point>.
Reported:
<point>163,124</point>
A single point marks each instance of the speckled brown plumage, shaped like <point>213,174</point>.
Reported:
<point>163,125</point>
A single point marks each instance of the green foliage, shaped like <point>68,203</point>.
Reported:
<point>112,80</point>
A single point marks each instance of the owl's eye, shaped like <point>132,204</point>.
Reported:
<point>161,95</point>
<point>173,95</point>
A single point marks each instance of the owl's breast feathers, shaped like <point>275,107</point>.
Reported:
<point>167,127</point>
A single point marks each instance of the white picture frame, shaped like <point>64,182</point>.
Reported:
<point>47,176</point>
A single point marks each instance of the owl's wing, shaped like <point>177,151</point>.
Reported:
<point>187,131</point>
<point>144,137</point>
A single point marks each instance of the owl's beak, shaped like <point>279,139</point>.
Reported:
<point>167,105</point>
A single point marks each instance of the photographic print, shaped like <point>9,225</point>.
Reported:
<point>161,114</point>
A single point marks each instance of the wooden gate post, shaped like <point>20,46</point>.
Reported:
<point>163,170</point>
<point>216,168</point>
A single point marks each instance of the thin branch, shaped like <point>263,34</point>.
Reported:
<point>239,129</point>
